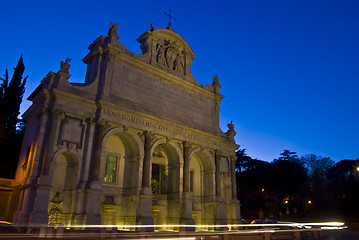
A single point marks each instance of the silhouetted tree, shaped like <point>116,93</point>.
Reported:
<point>318,171</point>
<point>11,97</point>
<point>11,128</point>
<point>287,155</point>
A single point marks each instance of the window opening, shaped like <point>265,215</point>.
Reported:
<point>111,169</point>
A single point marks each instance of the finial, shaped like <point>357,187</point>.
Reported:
<point>152,26</point>
<point>65,66</point>
<point>113,29</point>
<point>169,14</point>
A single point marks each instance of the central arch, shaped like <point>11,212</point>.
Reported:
<point>121,158</point>
<point>166,175</point>
<point>202,186</point>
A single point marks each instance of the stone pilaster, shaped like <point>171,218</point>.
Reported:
<point>29,191</point>
<point>54,129</point>
<point>235,201</point>
<point>186,170</point>
<point>97,151</point>
<point>187,195</point>
<point>40,210</point>
<point>218,175</point>
<point>221,210</point>
<point>233,177</point>
<point>145,204</point>
<point>93,193</point>
<point>146,181</point>
<point>80,208</point>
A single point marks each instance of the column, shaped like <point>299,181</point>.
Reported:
<point>94,187</point>
<point>85,173</point>
<point>187,195</point>
<point>221,209</point>
<point>146,181</point>
<point>186,170</point>
<point>236,206</point>
<point>218,175</point>
<point>144,213</point>
<point>56,117</point>
<point>39,213</point>
<point>97,151</point>
<point>234,183</point>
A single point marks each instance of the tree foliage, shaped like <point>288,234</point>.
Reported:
<point>11,128</point>
<point>293,188</point>
<point>11,94</point>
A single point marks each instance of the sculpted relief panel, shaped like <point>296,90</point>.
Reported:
<point>161,97</point>
<point>170,55</point>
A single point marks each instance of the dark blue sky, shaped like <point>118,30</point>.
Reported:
<point>289,69</point>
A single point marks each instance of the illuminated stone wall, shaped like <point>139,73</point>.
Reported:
<point>138,143</point>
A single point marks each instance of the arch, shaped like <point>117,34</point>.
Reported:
<point>131,156</point>
<point>72,158</point>
<point>64,178</point>
<point>128,136</point>
<point>170,147</point>
<point>166,175</point>
<point>122,157</point>
<point>203,168</point>
<point>206,159</point>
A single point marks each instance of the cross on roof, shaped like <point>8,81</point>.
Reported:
<point>169,14</point>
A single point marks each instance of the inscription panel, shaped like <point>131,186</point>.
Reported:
<point>71,131</point>
<point>165,130</point>
<point>161,96</point>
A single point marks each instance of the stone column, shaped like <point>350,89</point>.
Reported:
<point>221,210</point>
<point>233,177</point>
<point>79,207</point>
<point>56,117</point>
<point>28,188</point>
<point>218,175</point>
<point>187,195</point>
<point>97,151</point>
<point>94,187</point>
<point>146,181</point>
<point>186,170</point>
<point>235,201</point>
<point>145,205</point>
<point>39,213</point>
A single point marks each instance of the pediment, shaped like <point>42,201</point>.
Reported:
<point>169,51</point>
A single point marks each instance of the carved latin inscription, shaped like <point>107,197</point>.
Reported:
<point>162,97</point>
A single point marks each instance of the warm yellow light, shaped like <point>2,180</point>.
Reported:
<point>286,201</point>
<point>310,202</point>
<point>357,169</point>
<point>262,189</point>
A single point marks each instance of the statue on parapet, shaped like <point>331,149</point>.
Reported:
<point>215,84</point>
<point>113,29</point>
<point>230,133</point>
<point>112,33</point>
<point>65,66</point>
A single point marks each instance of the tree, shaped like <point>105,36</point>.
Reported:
<point>287,155</point>
<point>10,99</point>
<point>317,164</point>
<point>245,162</point>
<point>11,128</point>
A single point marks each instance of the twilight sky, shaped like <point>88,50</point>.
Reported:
<point>289,69</point>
